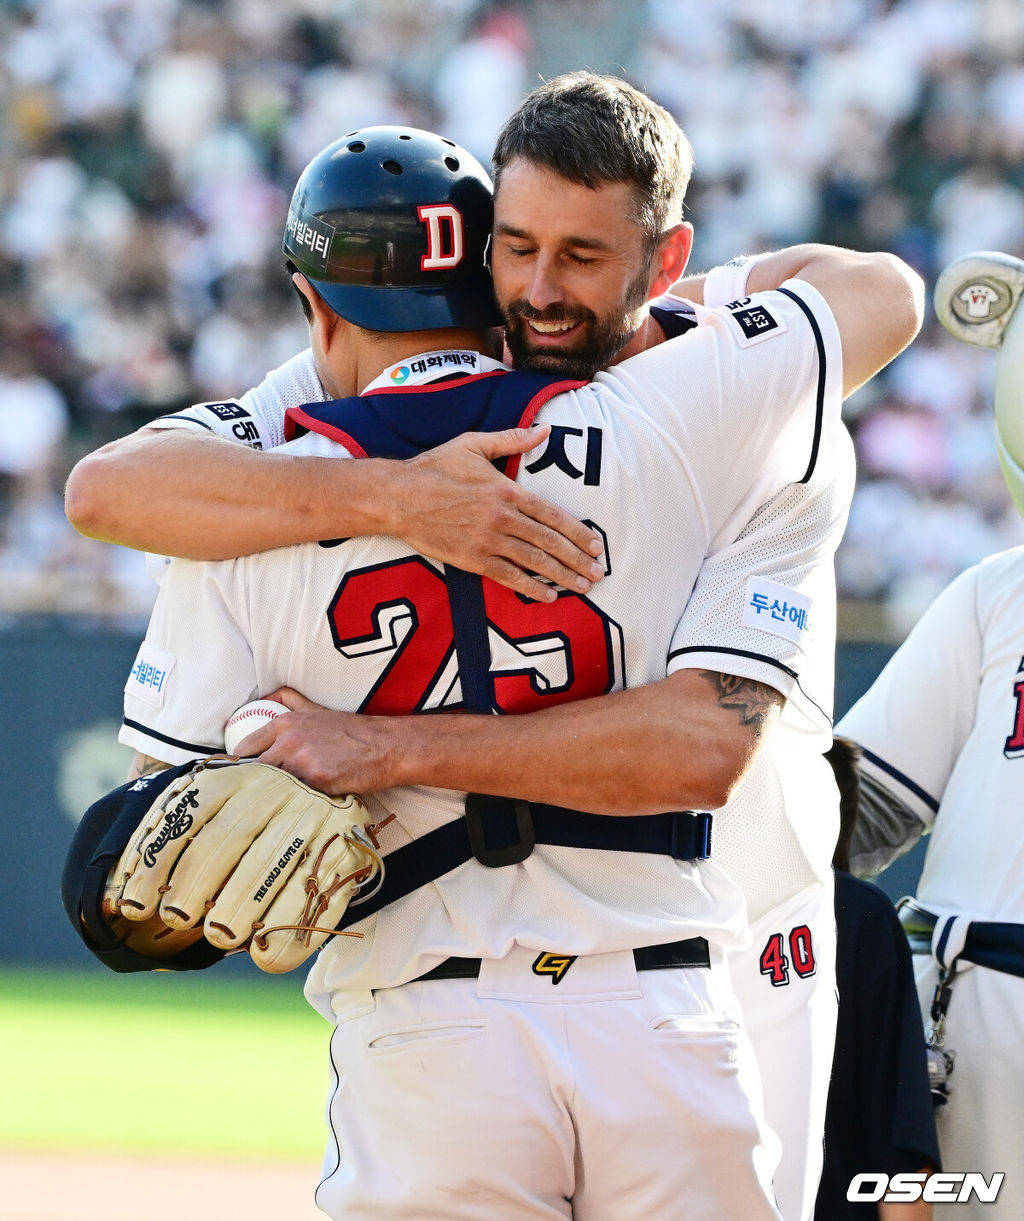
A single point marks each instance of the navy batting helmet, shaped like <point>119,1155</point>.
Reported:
<point>390,225</point>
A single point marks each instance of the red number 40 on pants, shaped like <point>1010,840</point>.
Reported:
<point>775,962</point>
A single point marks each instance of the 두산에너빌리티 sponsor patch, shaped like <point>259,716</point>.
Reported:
<point>771,607</point>
<point>149,674</point>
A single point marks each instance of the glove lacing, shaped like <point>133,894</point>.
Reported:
<point>318,900</point>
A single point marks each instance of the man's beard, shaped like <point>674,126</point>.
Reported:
<point>602,339</point>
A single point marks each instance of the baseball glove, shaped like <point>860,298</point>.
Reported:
<point>257,858</point>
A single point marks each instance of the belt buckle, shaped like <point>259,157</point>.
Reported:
<point>691,835</point>
<point>482,810</point>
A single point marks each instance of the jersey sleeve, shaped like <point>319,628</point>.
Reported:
<point>749,395</point>
<point>782,407</point>
<point>764,606</point>
<point>257,418</point>
<point>195,667</point>
<point>914,721</point>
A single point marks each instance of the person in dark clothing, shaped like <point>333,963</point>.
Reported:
<point>880,1116</point>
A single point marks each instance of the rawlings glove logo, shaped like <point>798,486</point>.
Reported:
<point>176,824</point>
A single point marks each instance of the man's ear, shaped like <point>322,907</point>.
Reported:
<point>323,321</point>
<point>671,257</point>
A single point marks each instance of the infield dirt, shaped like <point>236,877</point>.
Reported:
<point>107,1187</point>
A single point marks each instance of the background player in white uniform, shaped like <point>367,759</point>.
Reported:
<point>790,804</point>
<point>943,735</point>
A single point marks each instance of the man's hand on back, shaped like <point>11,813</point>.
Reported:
<point>461,510</point>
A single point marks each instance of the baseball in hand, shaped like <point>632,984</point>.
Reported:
<point>249,718</point>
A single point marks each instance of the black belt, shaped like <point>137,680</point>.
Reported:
<point>993,944</point>
<point>690,953</point>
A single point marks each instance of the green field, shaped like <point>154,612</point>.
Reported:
<point>161,1062</point>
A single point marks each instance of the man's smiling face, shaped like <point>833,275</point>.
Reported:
<point>571,272</point>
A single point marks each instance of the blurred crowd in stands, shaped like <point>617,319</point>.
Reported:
<point>148,149</point>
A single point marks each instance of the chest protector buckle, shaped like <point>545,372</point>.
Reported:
<point>501,830</point>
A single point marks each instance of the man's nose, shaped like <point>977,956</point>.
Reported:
<point>544,288</point>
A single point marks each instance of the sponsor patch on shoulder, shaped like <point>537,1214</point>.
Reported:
<point>754,320</point>
<point>227,411</point>
<point>148,679</point>
<point>233,421</point>
<point>775,608</point>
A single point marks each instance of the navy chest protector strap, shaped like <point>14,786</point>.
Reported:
<point>684,836</point>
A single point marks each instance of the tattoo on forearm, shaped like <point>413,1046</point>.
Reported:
<point>142,765</point>
<point>752,700</point>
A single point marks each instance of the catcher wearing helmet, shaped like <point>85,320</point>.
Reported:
<point>377,261</point>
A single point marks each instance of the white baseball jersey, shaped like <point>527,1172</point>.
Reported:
<point>683,468</point>
<point>943,730</point>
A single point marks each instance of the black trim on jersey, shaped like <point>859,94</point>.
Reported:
<point>711,648</point>
<point>820,401</point>
<point>771,661</point>
<point>191,419</point>
<point>940,949</point>
<point>907,783</point>
<point>162,737</point>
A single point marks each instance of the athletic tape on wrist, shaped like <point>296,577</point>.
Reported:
<point>728,282</point>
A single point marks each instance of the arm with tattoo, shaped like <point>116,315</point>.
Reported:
<point>682,743</point>
<point>144,765</point>
<point>752,701</point>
